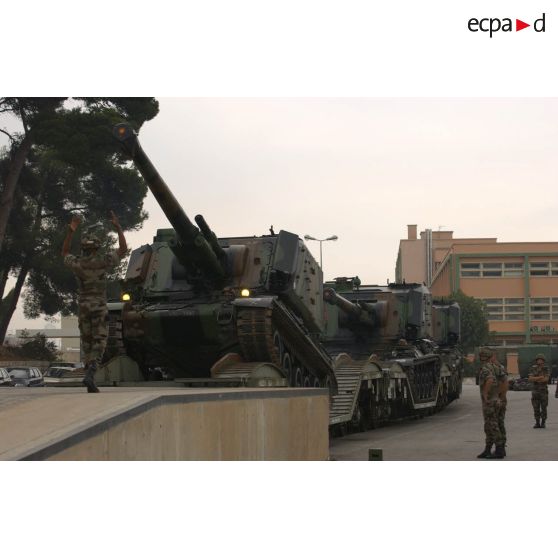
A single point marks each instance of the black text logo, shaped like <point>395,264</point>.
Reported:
<point>493,25</point>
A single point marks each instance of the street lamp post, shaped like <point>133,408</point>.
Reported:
<point>308,237</point>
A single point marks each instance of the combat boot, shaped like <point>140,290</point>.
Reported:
<point>486,453</point>
<point>500,452</point>
<point>543,423</point>
<point>537,424</point>
<point>89,379</point>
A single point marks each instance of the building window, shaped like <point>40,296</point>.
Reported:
<point>505,309</point>
<point>514,309</point>
<point>543,269</point>
<point>513,269</point>
<point>493,269</point>
<point>470,269</point>
<point>544,308</point>
<point>539,269</point>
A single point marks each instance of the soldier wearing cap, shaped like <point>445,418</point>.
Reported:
<point>503,397</point>
<point>492,395</point>
<point>90,269</point>
<point>538,376</point>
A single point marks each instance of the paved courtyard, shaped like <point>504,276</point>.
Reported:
<point>456,433</point>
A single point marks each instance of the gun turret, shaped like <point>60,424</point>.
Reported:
<point>371,314</point>
<point>195,250</point>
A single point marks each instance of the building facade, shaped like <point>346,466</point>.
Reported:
<point>518,282</point>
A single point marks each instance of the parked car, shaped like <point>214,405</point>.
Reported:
<point>5,379</point>
<point>26,376</point>
<point>58,374</point>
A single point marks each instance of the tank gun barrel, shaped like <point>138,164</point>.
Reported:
<point>367,313</point>
<point>211,237</point>
<point>193,247</point>
<point>355,311</point>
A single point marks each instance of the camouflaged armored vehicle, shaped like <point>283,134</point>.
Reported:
<point>382,340</point>
<point>241,310</point>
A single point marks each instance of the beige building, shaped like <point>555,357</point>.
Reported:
<point>518,281</point>
<point>418,259</point>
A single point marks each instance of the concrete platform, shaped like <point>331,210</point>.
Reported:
<point>128,423</point>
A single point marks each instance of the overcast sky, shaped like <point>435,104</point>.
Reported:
<point>361,169</point>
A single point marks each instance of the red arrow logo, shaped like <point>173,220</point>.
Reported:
<point>519,25</point>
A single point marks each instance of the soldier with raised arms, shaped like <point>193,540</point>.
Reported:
<point>90,269</point>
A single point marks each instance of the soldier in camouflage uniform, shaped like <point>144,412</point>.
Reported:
<point>90,270</point>
<point>538,376</point>
<point>503,397</point>
<point>490,390</point>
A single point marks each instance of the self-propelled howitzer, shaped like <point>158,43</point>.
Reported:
<point>384,353</point>
<point>240,310</point>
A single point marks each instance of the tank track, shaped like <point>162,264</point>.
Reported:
<point>273,334</point>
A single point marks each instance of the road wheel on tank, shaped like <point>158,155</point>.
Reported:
<point>364,408</point>
<point>279,346</point>
<point>287,365</point>
<point>374,418</point>
<point>298,379</point>
<point>358,422</point>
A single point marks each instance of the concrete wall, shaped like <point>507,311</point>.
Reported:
<point>264,427</point>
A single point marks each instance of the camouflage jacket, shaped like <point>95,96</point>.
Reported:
<point>536,370</point>
<point>487,372</point>
<point>91,273</point>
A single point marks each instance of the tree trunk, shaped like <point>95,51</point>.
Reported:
<point>7,316</point>
<point>4,273</point>
<point>10,183</point>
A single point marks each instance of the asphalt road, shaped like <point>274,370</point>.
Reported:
<point>456,433</point>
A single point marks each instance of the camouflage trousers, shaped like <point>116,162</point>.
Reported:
<point>93,328</point>
<point>539,400</point>
<point>491,415</point>
<point>501,418</point>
